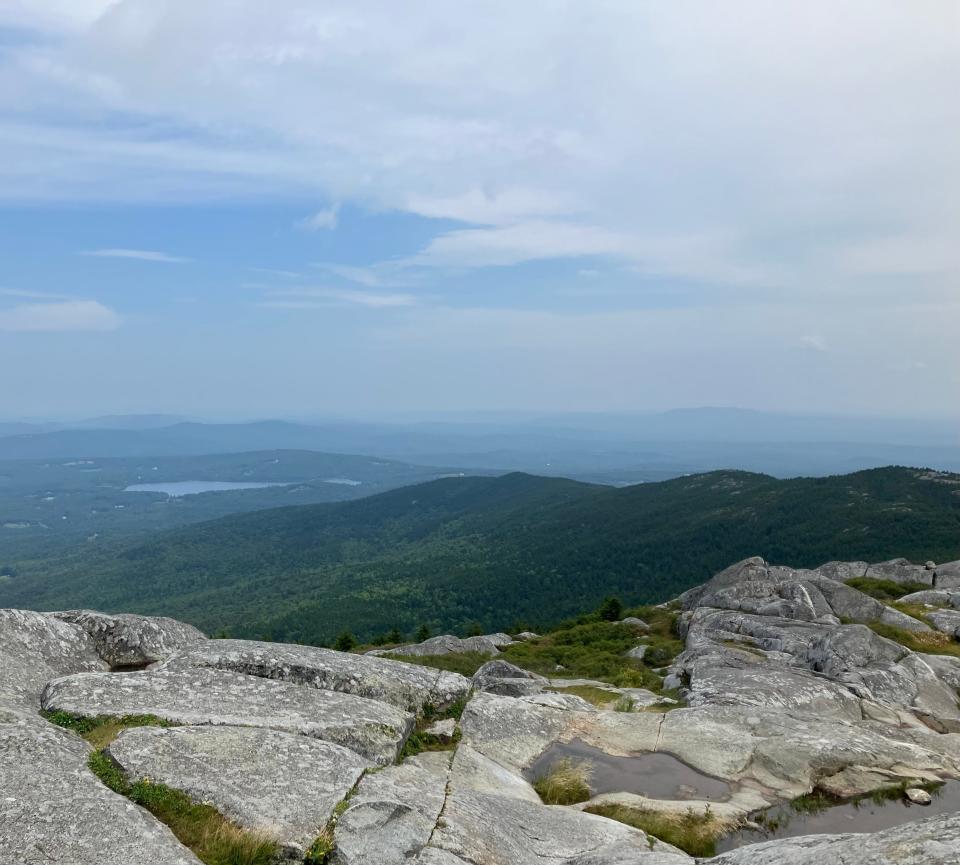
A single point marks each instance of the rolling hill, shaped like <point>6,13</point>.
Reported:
<point>491,551</point>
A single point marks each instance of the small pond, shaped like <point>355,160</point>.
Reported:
<point>190,488</point>
<point>659,776</point>
<point>863,815</point>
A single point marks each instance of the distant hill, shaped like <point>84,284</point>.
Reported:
<point>491,550</point>
<point>613,449</point>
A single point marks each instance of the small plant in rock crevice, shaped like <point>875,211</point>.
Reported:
<point>566,782</point>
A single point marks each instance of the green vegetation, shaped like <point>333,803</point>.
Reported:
<point>624,704</point>
<point>101,730</point>
<point>566,782</point>
<point>213,839</point>
<point>420,740</point>
<point>322,848</point>
<point>457,552</point>
<point>930,642</point>
<point>885,590</point>
<point>464,663</point>
<point>692,832</point>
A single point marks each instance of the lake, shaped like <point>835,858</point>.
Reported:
<point>190,488</point>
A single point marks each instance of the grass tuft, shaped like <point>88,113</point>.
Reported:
<point>566,782</point>
<point>692,832</point>
<point>885,590</point>
<point>929,642</point>
<point>596,696</point>
<point>101,730</point>
<point>624,704</point>
<point>212,838</point>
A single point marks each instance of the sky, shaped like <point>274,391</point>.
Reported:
<point>240,208</point>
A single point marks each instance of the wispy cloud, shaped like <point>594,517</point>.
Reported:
<point>70,315</point>
<point>138,254</point>
<point>309,298</point>
<point>322,220</point>
<point>382,275</point>
<point>38,295</point>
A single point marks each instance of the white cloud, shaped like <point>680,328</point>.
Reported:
<point>738,143</point>
<point>309,298</point>
<point>138,254</point>
<point>70,315</point>
<point>322,220</point>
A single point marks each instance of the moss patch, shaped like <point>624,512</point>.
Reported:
<point>101,730</point>
<point>885,590</point>
<point>212,838</point>
<point>695,833</point>
<point>930,642</point>
<point>596,696</point>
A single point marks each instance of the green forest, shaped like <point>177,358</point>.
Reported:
<point>462,554</point>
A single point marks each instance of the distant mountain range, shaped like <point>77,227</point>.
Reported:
<point>614,449</point>
<point>495,549</point>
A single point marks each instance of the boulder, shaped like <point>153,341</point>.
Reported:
<point>842,571</point>
<point>634,622</point>
<point>35,648</point>
<point>901,571</point>
<point>218,697</point>
<point>126,640</point>
<point>918,795</point>
<point>406,686</point>
<point>447,644</point>
<point>947,576</point>
<point>501,677</point>
<point>524,636</point>
<point>945,621</point>
<point>443,730</point>
<point>53,809</point>
<point>637,653</point>
<point>934,841</point>
<point>934,598</point>
<point>282,785</point>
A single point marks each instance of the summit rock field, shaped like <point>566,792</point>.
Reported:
<point>789,683</point>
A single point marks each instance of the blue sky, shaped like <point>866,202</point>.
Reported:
<point>225,209</point>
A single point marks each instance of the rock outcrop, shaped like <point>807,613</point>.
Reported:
<point>787,686</point>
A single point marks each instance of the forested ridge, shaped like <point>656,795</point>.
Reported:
<point>494,552</point>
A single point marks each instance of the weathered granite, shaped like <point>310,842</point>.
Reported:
<point>501,830</point>
<point>934,841</point>
<point>200,696</point>
<point>126,640</point>
<point>945,621</point>
<point>53,809</point>
<point>901,571</point>
<point>282,785</point>
<point>406,686</point>
<point>501,677</point>
<point>35,648</point>
<point>393,813</point>
<point>447,644</point>
<point>472,770</point>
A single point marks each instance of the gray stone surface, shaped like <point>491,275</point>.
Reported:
<point>129,640</point>
<point>283,785</point>
<point>934,598</point>
<point>500,830</point>
<point>53,809</point>
<point>634,622</point>
<point>393,813</point>
<point>406,686</point>
<point>947,576</point>
<point>447,644</point>
<point>637,653</point>
<point>472,770</point>
<point>934,841</point>
<point>35,648</point>
<point>218,697</point>
<point>901,571</point>
<point>945,621</point>
<point>501,677</point>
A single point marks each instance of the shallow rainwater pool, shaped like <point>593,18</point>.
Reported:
<point>659,776</point>
<point>864,815</point>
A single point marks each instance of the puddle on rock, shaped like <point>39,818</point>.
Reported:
<point>659,776</point>
<point>862,815</point>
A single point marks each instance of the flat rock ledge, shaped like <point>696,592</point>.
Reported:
<point>221,698</point>
<point>282,785</point>
<point>407,686</point>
